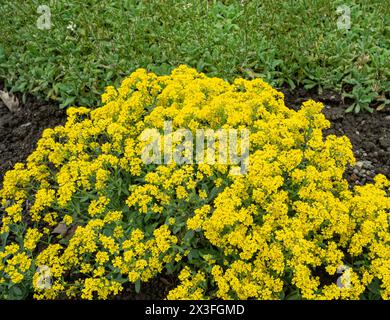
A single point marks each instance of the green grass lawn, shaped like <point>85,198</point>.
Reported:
<point>285,42</point>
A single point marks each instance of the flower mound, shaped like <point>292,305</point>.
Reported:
<point>96,217</point>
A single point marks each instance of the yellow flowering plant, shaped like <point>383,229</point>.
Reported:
<point>86,209</point>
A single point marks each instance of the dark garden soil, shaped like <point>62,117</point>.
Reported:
<point>156,289</point>
<point>369,134</point>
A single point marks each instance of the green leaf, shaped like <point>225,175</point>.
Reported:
<point>68,101</point>
<point>193,255</point>
<point>17,292</point>
<point>189,236</point>
<point>294,296</point>
<point>357,108</point>
<point>350,108</point>
<point>2,54</point>
<point>138,286</point>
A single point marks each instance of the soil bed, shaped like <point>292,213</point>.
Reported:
<point>369,134</point>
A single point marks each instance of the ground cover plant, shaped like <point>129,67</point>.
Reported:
<point>87,209</point>
<point>92,43</point>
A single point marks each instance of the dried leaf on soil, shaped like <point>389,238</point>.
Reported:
<point>10,101</point>
<point>60,229</point>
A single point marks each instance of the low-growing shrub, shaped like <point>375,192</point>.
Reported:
<point>89,212</point>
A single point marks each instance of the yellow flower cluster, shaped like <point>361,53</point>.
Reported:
<point>290,227</point>
<point>13,264</point>
<point>191,286</point>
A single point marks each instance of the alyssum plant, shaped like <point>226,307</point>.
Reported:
<point>89,212</point>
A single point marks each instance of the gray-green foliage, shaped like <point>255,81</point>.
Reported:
<point>285,42</point>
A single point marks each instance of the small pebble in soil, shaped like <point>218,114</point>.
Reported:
<point>370,146</point>
<point>359,164</point>
<point>368,164</point>
<point>384,142</point>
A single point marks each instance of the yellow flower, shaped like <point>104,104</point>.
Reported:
<point>68,219</point>
<point>31,239</point>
